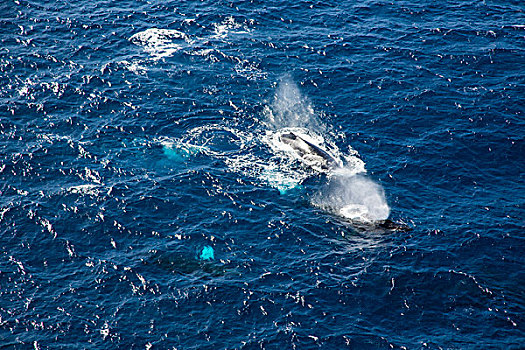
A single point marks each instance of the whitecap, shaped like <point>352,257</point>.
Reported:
<point>161,42</point>
<point>229,25</point>
<point>86,189</point>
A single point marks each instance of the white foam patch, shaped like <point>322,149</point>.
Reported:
<point>86,189</point>
<point>161,42</point>
<point>136,67</point>
<point>280,180</point>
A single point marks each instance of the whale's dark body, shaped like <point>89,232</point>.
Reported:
<point>382,226</point>
<point>307,151</point>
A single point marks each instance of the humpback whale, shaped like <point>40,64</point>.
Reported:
<point>311,154</point>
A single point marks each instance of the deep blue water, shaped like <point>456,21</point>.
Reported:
<point>143,206</point>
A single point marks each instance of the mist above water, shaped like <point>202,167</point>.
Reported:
<point>355,197</point>
<point>290,109</point>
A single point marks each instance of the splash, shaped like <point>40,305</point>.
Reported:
<point>353,196</point>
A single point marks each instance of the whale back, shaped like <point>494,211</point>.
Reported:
<point>311,154</point>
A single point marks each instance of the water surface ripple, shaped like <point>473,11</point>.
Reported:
<point>146,202</point>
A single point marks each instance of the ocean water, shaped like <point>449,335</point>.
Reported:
<point>149,198</point>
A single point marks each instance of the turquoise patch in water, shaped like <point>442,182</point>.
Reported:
<point>172,153</point>
<point>207,253</point>
<point>285,190</point>
<point>180,151</point>
<point>281,181</point>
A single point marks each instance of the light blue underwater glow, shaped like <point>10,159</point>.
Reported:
<point>207,253</point>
